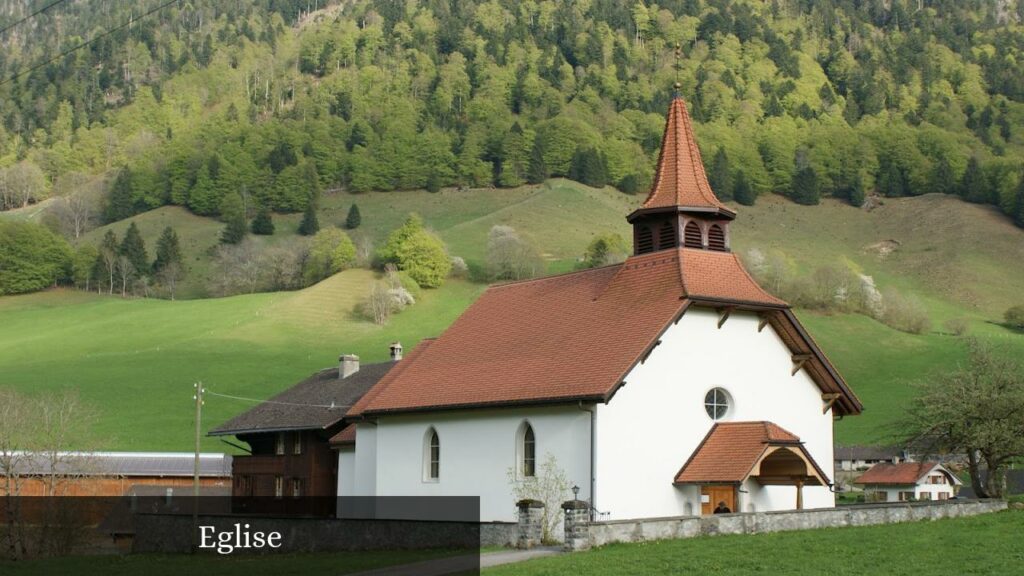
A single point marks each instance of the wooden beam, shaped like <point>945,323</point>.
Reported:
<point>798,362</point>
<point>723,315</point>
<point>763,322</point>
<point>829,400</point>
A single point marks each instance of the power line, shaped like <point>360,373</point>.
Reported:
<point>258,401</point>
<point>30,16</point>
<point>88,42</point>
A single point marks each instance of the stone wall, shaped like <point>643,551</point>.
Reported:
<point>590,534</point>
<point>172,533</point>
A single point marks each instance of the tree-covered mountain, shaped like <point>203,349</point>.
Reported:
<point>276,100</point>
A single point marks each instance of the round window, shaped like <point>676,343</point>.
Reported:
<point>716,403</point>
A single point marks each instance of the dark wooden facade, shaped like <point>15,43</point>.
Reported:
<point>284,471</point>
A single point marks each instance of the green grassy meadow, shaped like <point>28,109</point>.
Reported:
<point>988,544</point>
<point>135,360</point>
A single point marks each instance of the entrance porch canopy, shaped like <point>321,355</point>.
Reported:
<point>732,452</point>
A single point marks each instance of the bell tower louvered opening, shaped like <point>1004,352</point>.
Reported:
<point>716,238</point>
<point>667,236</point>
<point>692,236</point>
<point>644,240</point>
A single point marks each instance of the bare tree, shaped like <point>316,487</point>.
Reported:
<point>21,185</point>
<point>509,257</point>
<point>36,434</point>
<point>170,275</point>
<point>74,215</point>
<point>240,269</point>
<point>14,460</point>
<point>379,304</point>
<point>110,259</point>
<point>125,270</point>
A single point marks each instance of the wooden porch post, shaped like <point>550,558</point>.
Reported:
<point>799,494</point>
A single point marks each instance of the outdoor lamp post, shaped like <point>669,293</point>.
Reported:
<point>575,492</point>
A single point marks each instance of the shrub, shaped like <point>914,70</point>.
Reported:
<point>956,326</point>
<point>605,249</point>
<point>31,257</point>
<point>509,257</point>
<point>418,252</point>
<point>1015,316</point>
<point>263,223</point>
<point>459,267</point>
<point>330,252</point>
<point>904,313</point>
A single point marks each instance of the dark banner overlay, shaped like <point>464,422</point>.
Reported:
<point>174,534</point>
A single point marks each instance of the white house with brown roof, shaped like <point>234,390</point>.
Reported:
<point>909,481</point>
<point>660,386</point>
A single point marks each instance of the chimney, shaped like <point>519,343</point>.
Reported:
<point>348,365</point>
<point>396,351</point>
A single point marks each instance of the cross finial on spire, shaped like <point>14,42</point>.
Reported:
<point>678,66</point>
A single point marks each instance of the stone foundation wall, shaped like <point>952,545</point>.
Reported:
<point>590,534</point>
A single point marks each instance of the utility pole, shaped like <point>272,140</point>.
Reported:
<point>198,397</point>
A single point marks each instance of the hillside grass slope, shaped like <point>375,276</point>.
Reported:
<point>136,360</point>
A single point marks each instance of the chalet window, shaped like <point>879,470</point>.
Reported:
<point>716,238</point>
<point>943,495</point>
<point>716,403</point>
<point>925,496</point>
<point>907,497</point>
<point>297,447</point>
<point>278,487</point>
<point>279,445</point>
<point>296,487</point>
<point>692,237</point>
<point>644,240</point>
<point>529,452</point>
<point>667,236</point>
<point>432,457</point>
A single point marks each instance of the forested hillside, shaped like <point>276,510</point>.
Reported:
<point>274,101</point>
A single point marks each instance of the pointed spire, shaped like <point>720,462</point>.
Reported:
<point>680,180</point>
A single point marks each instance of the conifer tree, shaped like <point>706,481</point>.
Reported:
<point>1018,208</point>
<point>134,248</point>
<point>233,214</point>
<point>857,197</point>
<point>720,176</point>
<point>354,218</point>
<point>120,203</point>
<point>168,250</point>
<point>263,223</point>
<point>742,191</point>
<point>310,225</point>
<point>538,170</point>
<point>806,189</point>
<point>973,185</point>
<point>892,181</point>
<point>942,179</point>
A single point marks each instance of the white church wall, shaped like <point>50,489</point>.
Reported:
<point>477,449</point>
<point>654,423</point>
<point>365,463</point>
<point>347,471</point>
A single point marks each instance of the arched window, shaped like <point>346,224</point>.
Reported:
<point>692,237</point>
<point>527,451</point>
<point>667,236</point>
<point>716,238</point>
<point>431,456</point>
<point>644,240</point>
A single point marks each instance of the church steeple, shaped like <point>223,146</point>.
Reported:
<point>681,209</point>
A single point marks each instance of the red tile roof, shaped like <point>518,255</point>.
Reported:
<point>731,450</point>
<point>563,338</point>
<point>903,473</point>
<point>345,437</point>
<point>680,179</point>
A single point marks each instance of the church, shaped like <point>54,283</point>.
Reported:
<point>670,384</point>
